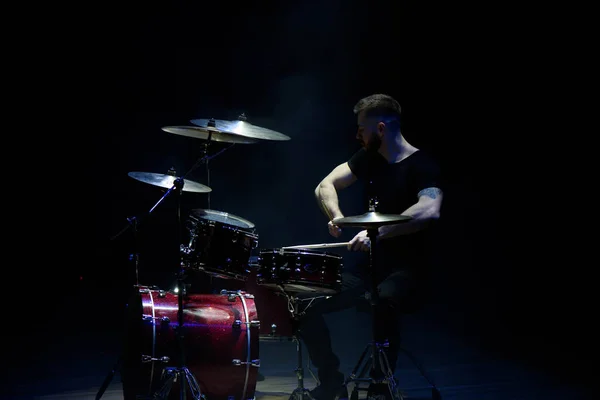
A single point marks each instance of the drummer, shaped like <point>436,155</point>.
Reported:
<point>399,179</point>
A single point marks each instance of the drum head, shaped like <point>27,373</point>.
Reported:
<point>222,217</point>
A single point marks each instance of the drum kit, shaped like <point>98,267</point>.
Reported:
<point>206,345</point>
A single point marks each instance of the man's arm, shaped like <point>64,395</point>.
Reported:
<point>425,210</point>
<point>326,191</point>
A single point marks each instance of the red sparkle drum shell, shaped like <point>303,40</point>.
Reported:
<point>220,342</point>
<point>273,308</point>
<point>276,322</point>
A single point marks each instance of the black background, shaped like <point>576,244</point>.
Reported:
<point>511,277</point>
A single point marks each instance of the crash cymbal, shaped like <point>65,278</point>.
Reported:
<point>166,181</point>
<point>241,127</point>
<point>204,132</point>
<point>370,219</point>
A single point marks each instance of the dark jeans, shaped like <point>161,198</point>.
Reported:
<point>394,290</point>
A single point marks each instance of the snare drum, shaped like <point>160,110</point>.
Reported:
<point>300,270</point>
<point>221,347</point>
<point>218,243</point>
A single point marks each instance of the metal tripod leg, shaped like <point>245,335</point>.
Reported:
<point>380,371</point>
<point>186,379</point>
<point>300,393</point>
<point>435,393</point>
<point>363,365</point>
<point>170,375</point>
<point>109,378</point>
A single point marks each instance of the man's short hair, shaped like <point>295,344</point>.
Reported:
<point>378,105</point>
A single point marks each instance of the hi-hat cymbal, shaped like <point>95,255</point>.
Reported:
<point>204,133</point>
<point>370,219</point>
<point>240,127</point>
<point>166,181</point>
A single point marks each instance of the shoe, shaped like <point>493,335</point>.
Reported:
<point>329,392</point>
<point>379,391</point>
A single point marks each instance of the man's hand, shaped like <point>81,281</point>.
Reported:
<point>360,242</point>
<point>334,230</point>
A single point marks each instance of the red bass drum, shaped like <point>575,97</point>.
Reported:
<point>220,339</point>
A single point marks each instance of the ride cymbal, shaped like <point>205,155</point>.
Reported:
<point>205,133</point>
<point>240,127</point>
<point>370,219</point>
<point>166,181</point>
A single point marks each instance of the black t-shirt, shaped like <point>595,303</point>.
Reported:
<point>396,187</point>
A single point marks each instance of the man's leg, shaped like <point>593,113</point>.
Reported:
<point>396,294</point>
<point>314,332</point>
<point>388,329</point>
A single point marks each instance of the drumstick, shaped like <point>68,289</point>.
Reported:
<point>317,246</point>
<point>326,211</point>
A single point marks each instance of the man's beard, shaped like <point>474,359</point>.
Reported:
<point>374,144</point>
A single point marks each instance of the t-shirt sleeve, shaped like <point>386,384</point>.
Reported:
<point>358,163</point>
<point>428,173</point>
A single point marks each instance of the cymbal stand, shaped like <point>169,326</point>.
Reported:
<point>133,223</point>
<point>181,373</point>
<point>300,393</point>
<point>134,255</point>
<point>205,151</point>
<point>380,369</point>
<point>206,158</point>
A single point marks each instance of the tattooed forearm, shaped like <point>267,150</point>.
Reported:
<point>432,192</point>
